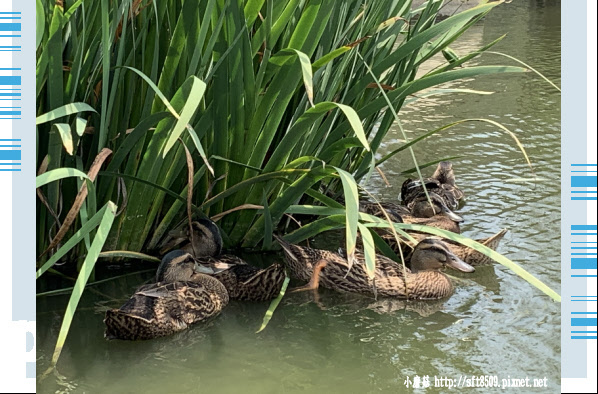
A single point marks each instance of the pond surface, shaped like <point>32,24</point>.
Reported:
<point>494,324</point>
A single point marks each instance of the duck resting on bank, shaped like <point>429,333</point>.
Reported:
<point>423,280</point>
<point>181,297</point>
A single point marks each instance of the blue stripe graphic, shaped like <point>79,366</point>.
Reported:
<point>10,80</point>
<point>10,155</point>
<point>583,181</point>
<point>584,227</point>
<point>583,322</point>
<point>10,27</point>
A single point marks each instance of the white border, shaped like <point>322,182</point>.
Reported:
<point>13,339</point>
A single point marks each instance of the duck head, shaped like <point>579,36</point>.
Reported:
<point>177,265</point>
<point>433,255</point>
<point>444,173</point>
<point>207,240</point>
<point>423,209</point>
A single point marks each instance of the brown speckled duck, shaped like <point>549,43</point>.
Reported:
<point>471,256</point>
<point>181,297</point>
<point>421,212</point>
<point>468,255</point>
<point>244,282</point>
<point>441,183</point>
<point>423,281</point>
<point>209,241</point>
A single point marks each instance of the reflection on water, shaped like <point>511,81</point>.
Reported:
<point>495,323</point>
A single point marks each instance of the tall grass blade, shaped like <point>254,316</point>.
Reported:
<point>86,269</point>
<point>369,250</point>
<point>57,174</point>
<point>274,305</point>
<point>65,110</point>
<point>352,212</point>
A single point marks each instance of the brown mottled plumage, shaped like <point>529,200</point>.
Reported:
<point>441,183</point>
<point>423,281</point>
<point>181,298</point>
<point>435,215</point>
<point>243,281</point>
<point>206,242</point>
<point>473,257</point>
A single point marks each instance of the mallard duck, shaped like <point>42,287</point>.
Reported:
<point>423,281</point>
<point>421,212</point>
<point>242,281</point>
<point>207,231</point>
<point>441,183</point>
<point>181,297</point>
<point>468,255</point>
<point>471,256</point>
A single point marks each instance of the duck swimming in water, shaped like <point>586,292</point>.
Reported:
<point>441,183</point>
<point>423,280</point>
<point>243,282</point>
<point>181,297</point>
<point>433,213</point>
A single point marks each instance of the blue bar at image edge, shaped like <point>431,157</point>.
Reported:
<point>10,155</point>
<point>585,322</point>
<point>583,181</point>
<point>10,27</point>
<point>10,113</point>
<point>584,227</point>
<point>13,80</point>
<point>583,264</point>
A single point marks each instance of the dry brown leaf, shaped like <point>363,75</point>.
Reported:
<point>74,211</point>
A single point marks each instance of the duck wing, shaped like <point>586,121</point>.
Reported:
<point>161,309</point>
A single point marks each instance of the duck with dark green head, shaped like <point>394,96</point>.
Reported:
<point>330,269</point>
<point>181,297</point>
<point>244,282</point>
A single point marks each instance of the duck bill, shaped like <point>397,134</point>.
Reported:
<point>459,265</point>
<point>201,269</point>
<point>451,215</point>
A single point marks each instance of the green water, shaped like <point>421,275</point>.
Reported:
<point>494,324</point>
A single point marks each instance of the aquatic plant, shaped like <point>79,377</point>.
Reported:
<point>279,103</point>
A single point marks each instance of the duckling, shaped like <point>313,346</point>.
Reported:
<point>207,230</point>
<point>421,212</point>
<point>423,281</point>
<point>441,183</point>
<point>180,298</point>
<point>243,282</point>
